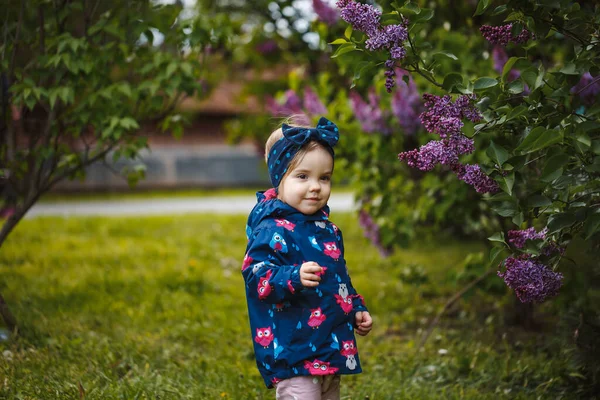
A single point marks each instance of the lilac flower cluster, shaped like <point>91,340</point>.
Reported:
<point>518,237</point>
<point>294,105</point>
<point>588,88</point>
<point>531,280</point>
<point>502,34</point>
<point>370,115</point>
<point>371,232</point>
<point>445,118</point>
<point>366,18</point>
<point>474,176</point>
<point>312,103</point>
<point>325,13</point>
<point>406,104</point>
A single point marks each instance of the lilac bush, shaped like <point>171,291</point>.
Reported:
<point>301,108</point>
<point>406,103</point>
<point>371,231</point>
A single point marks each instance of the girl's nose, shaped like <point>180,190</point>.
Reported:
<point>315,187</point>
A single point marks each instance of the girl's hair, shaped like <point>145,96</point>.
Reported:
<point>306,148</point>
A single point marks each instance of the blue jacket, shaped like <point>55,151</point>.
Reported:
<point>297,330</point>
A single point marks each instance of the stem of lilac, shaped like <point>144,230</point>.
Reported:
<point>596,79</point>
<point>416,66</point>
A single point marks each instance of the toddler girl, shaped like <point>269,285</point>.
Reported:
<point>302,306</point>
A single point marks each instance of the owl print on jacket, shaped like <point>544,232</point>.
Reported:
<point>332,250</point>
<point>316,318</point>
<point>286,224</point>
<point>318,367</point>
<point>264,287</point>
<point>247,261</point>
<point>344,302</point>
<point>278,243</point>
<point>349,351</point>
<point>264,336</point>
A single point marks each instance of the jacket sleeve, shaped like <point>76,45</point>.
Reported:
<point>358,302</point>
<point>269,274</point>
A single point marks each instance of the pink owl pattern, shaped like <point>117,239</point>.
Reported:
<point>264,287</point>
<point>344,302</point>
<point>286,224</point>
<point>318,367</point>
<point>348,348</point>
<point>247,261</point>
<point>264,336</point>
<point>316,318</point>
<point>290,287</point>
<point>332,250</point>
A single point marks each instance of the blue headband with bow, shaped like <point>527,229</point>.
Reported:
<point>284,150</point>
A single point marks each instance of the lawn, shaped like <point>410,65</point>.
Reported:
<point>154,308</point>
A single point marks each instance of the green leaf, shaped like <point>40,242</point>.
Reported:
<point>413,7</point>
<point>538,138</point>
<point>485,83</point>
<point>425,15</point>
<point>591,226</point>
<point>482,5</point>
<point>348,32</point>
<point>451,80</point>
<point>515,87</point>
<point>445,54</point>
<point>171,69</point>
<point>553,167</point>
<point>516,112</point>
<point>497,153</point>
<point>538,200</point>
<point>508,66</point>
<point>495,252</point>
<point>507,182</point>
<point>560,221</point>
<point>497,237</point>
<point>339,41</point>
<point>345,48</point>
<point>569,69</point>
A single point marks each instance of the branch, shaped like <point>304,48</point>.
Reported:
<point>42,30</point>
<point>449,303</point>
<point>16,44</point>
<point>595,80</point>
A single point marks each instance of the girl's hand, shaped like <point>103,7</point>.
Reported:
<point>308,274</point>
<point>364,323</point>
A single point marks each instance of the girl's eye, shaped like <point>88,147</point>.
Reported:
<point>302,176</point>
<point>326,178</point>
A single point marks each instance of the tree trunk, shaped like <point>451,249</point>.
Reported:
<point>9,225</point>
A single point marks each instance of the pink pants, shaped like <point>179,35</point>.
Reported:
<point>309,388</point>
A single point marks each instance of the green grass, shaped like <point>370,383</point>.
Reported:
<point>139,194</point>
<point>154,308</point>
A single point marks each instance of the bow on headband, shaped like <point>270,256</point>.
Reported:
<point>284,150</point>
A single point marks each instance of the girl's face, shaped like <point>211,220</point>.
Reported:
<point>308,186</point>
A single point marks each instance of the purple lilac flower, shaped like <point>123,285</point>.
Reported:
<point>292,105</point>
<point>519,237</point>
<point>500,58</point>
<point>444,117</point>
<point>445,152</point>
<point>362,17</point>
<point>370,115</point>
<point>371,232</point>
<point>365,18</point>
<point>590,93</point>
<point>406,104</point>
<point>325,13</point>
<point>474,176</point>
<point>502,35</point>
<point>531,280</point>
<point>312,103</point>
<point>552,248</point>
